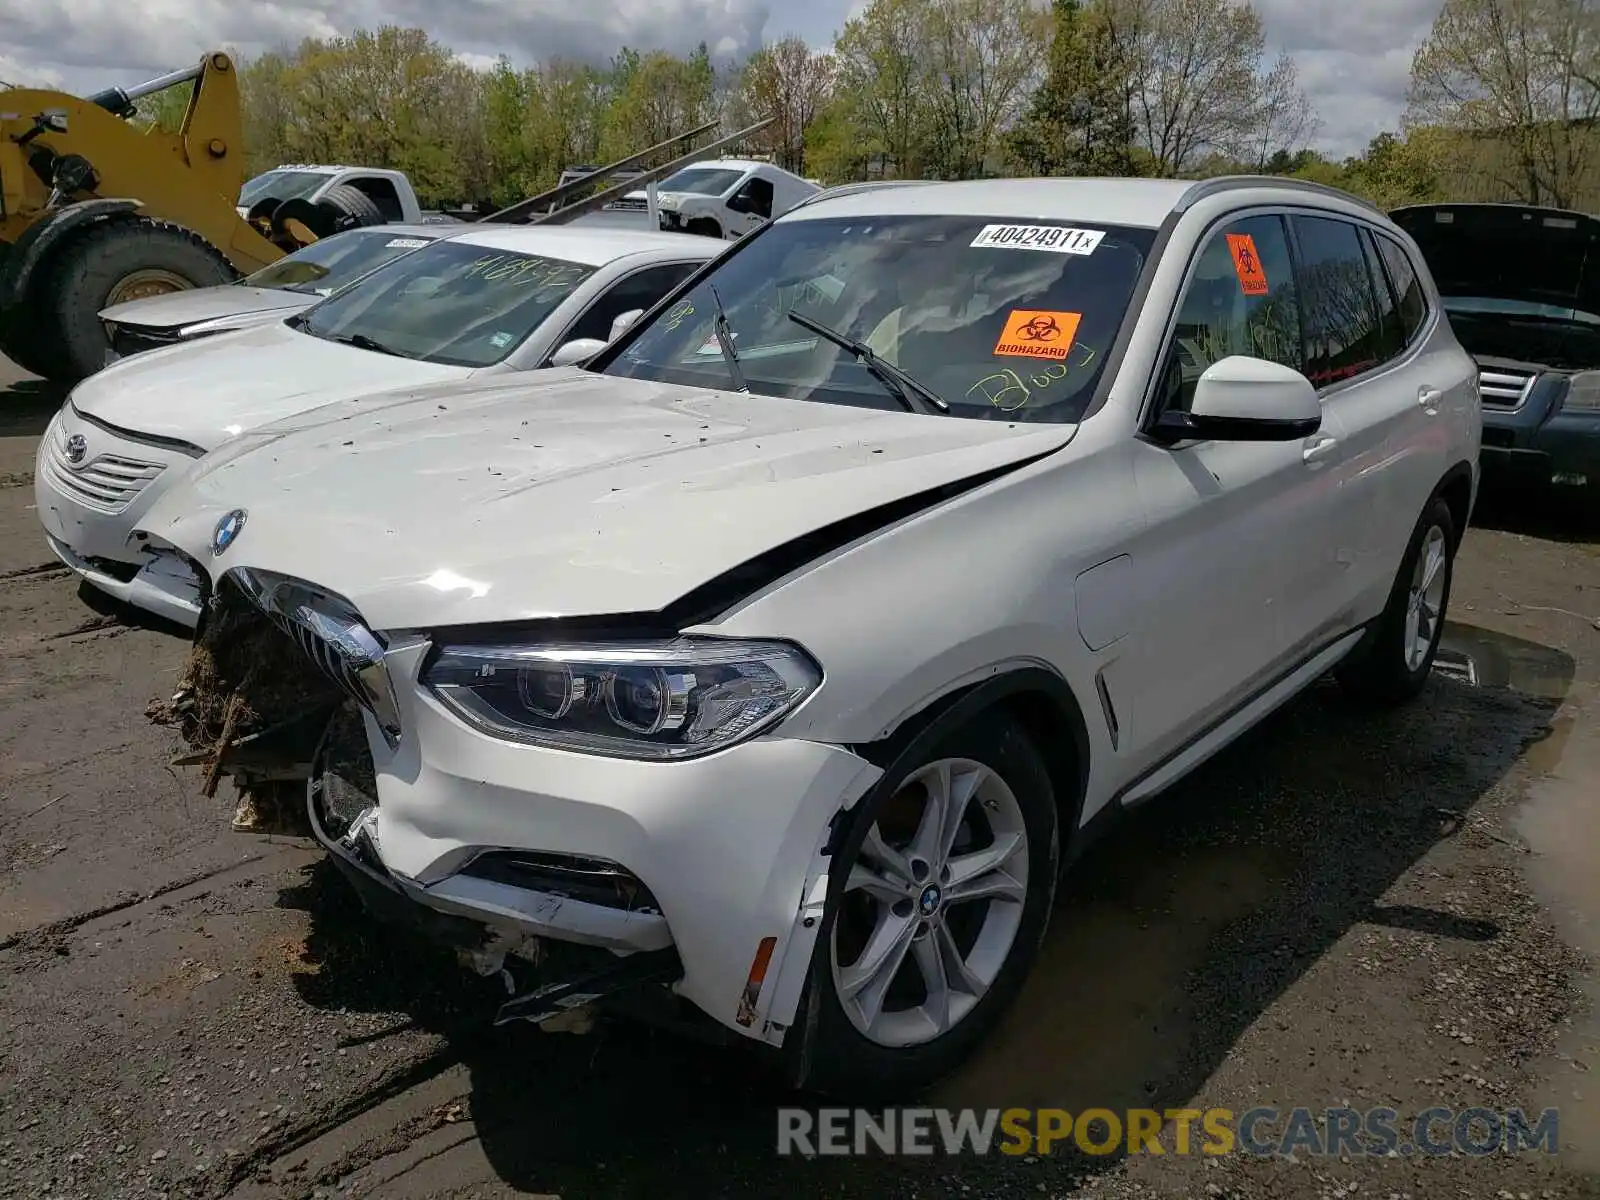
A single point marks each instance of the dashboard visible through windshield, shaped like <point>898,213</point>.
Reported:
<point>977,317</point>
<point>450,302</point>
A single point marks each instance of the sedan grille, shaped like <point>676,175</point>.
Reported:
<point>107,483</point>
<point>1504,387</point>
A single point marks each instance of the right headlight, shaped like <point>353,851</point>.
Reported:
<point>1583,393</point>
<point>650,699</point>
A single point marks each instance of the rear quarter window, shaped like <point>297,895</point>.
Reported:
<point>1412,302</point>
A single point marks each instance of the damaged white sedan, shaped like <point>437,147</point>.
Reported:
<point>777,663</point>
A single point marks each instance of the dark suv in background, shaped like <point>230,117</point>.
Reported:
<point>1521,286</point>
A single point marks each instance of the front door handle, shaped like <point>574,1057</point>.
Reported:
<point>1428,398</point>
<point>1319,447</point>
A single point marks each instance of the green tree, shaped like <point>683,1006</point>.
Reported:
<point>1077,121</point>
<point>790,84</point>
<point>1521,80</point>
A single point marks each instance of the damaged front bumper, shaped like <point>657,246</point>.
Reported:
<point>708,874</point>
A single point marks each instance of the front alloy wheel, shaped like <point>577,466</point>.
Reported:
<point>938,899</point>
<point>932,905</point>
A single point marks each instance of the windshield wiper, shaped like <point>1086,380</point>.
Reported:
<point>913,396</point>
<point>362,342</point>
<point>724,335</point>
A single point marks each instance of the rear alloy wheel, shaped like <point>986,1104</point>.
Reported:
<point>938,901</point>
<point>1394,660</point>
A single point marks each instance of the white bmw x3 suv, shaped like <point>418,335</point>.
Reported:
<point>783,657</point>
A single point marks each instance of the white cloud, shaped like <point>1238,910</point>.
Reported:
<point>1353,55</point>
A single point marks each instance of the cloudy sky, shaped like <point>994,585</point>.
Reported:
<point>1353,55</point>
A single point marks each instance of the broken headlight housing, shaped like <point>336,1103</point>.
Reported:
<point>658,700</point>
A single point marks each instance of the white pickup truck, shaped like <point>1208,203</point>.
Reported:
<point>359,189</point>
<point>723,197</point>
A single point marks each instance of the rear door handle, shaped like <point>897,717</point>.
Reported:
<point>1429,397</point>
<point>1319,447</point>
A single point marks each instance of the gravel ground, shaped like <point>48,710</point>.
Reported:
<point>1343,909</point>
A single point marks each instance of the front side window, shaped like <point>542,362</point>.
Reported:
<point>702,181</point>
<point>1241,299</point>
<point>1343,334</point>
<point>324,266</point>
<point>450,302</point>
<point>1002,319</point>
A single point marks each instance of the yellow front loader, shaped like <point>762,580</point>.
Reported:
<point>95,210</point>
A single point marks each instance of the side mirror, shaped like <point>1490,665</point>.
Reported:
<point>623,321</point>
<point>1242,399</point>
<point>576,351</point>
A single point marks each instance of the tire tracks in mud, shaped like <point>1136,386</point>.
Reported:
<point>226,1179</point>
<point>43,935</point>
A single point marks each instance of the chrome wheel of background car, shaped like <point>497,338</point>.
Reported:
<point>1425,603</point>
<point>141,284</point>
<point>932,904</point>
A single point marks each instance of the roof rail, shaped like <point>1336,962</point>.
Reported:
<point>851,189</point>
<point>1228,183</point>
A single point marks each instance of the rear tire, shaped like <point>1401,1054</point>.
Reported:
<point>1392,664</point>
<point>892,1030</point>
<point>100,267</point>
<point>705,227</point>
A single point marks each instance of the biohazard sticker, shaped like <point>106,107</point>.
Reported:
<point>1055,239</point>
<point>1037,333</point>
<point>1247,264</point>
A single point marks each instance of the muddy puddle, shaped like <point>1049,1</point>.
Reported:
<point>1560,822</point>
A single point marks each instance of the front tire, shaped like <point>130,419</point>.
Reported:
<point>938,901</point>
<point>1393,664</point>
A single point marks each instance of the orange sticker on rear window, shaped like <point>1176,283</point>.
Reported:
<point>1038,333</point>
<point>1247,264</point>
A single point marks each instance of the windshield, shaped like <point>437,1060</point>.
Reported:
<point>702,181</point>
<point>1000,321</point>
<point>450,302</point>
<point>323,267</point>
<point>280,185</point>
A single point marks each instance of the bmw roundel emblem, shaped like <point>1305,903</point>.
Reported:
<point>227,531</point>
<point>77,448</point>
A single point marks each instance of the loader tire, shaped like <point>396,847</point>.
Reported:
<point>352,208</point>
<point>108,264</point>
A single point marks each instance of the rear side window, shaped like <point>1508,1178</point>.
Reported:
<point>1241,299</point>
<point>1391,336</point>
<point>1413,305</point>
<point>1343,335</point>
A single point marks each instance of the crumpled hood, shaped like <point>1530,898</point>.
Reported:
<point>176,309</point>
<point>206,391</point>
<point>559,494</point>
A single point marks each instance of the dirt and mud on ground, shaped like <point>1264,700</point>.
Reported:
<point>1379,912</point>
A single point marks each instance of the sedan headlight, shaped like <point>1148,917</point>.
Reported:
<point>668,699</point>
<point>1583,393</point>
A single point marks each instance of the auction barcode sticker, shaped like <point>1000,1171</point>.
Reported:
<point>1057,239</point>
<point>406,243</point>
